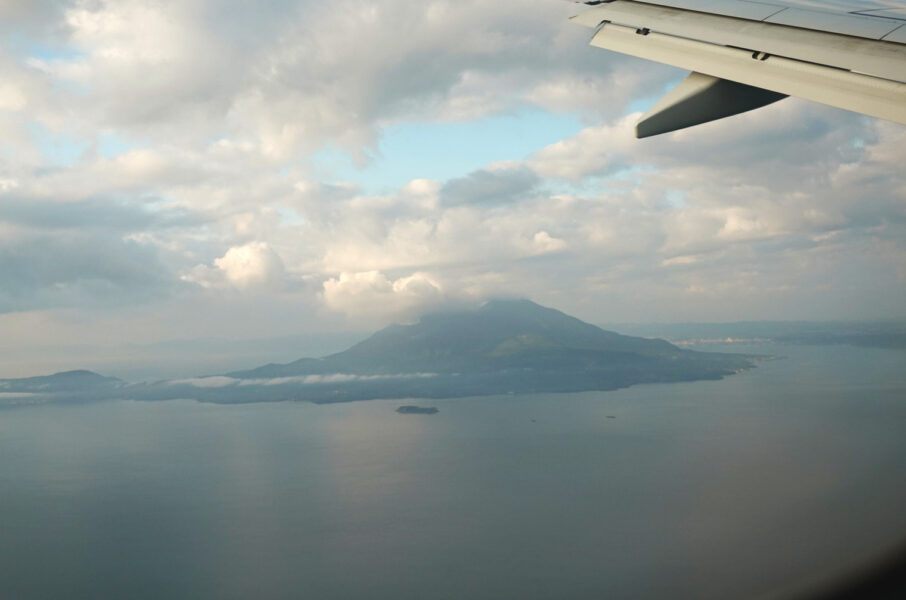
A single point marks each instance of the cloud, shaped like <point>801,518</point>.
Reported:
<point>206,382</point>
<point>333,378</point>
<point>543,243</point>
<point>251,266</point>
<point>327,378</point>
<point>79,270</point>
<point>596,150</point>
<point>111,214</point>
<point>149,65</point>
<point>372,292</point>
<point>501,185</point>
<point>290,76</point>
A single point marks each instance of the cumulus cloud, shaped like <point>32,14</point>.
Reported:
<point>596,150</point>
<point>372,292</point>
<point>251,266</point>
<point>289,76</point>
<point>543,243</point>
<point>491,186</point>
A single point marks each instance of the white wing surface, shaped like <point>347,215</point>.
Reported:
<point>745,54</point>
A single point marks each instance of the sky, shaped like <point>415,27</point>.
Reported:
<point>191,177</point>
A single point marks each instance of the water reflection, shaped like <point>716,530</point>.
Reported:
<point>690,490</point>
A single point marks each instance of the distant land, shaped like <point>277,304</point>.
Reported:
<point>505,347</point>
<point>69,385</point>
<point>889,334</point>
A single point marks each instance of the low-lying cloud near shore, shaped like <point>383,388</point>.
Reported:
<point>221,381</point>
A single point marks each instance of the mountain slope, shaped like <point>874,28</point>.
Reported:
<point>505,346</point>
<point>500,328</point>
<point>497,333</point>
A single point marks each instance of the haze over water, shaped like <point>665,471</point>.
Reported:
<point>693,490</point>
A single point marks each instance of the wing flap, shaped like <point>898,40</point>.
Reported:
<point>872,24</point>
<point>741,9</point>
<point>856,54</point>
<point>898,36</point>
<point>889,12</point>
<point>837,87</point>
<point>843,23</point>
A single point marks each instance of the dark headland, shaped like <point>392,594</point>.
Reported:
<point>69,385</point>
<point>505,347</point>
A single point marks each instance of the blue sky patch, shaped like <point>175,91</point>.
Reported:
<point>445,150</point>
<point>59,150</point>
<point>28,47</point>
<point>110,145</point>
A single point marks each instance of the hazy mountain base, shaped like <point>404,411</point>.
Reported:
<point>526,380</point>
<point>453,385</point>
<point>868,334</point>
<point>69,386</point>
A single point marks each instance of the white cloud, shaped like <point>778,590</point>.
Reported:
<point>332,378</point>
<point>206,382</point>
<point>543,243</point>
<point>253,265</point>
<point>597,150</point>
<point>12,98</point>
<point>372,293</point>
<point>326,378</point>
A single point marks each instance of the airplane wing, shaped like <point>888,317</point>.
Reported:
<point>745,54</point>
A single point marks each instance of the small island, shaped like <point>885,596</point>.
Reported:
<point>417,410</point>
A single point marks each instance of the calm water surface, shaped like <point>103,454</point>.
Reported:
<point>698,490</point>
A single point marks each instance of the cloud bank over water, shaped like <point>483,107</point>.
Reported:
<point>221,381</point>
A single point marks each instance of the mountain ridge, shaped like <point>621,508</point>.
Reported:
<point>504,347</point>
<point>457,340</point>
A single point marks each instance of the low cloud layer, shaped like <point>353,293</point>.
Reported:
<point>221,381</point>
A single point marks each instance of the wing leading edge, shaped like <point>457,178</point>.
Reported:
<point>745,54</point>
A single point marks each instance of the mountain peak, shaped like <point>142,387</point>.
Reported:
<point>506,345</point>
<point>470,340</point>
<point>522,306</point>
<point>497,303</point>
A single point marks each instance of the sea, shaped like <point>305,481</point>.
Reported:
<point>736,488</point>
